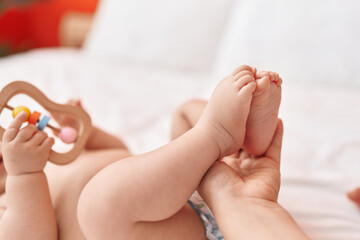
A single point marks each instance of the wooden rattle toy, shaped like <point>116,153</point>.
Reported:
<point>66,134</point>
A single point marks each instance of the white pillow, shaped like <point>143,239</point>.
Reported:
<point>181,34</point>
<point>305,41</point>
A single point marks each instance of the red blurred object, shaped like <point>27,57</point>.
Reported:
<point>37,24</point>
<point>14,31</point>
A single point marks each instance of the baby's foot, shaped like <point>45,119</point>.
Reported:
<point>263,115</point>
<point>227,111</point>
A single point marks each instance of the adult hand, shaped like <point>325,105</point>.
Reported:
<point>244,176</point>
<point>242,192</point>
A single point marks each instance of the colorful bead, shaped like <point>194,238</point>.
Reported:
<point>34,118</point>
<point>68,135</point>
<point>19,109</point>
<point>43,122</point>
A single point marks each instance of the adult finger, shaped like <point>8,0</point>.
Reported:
<point>13,129</point>
<point>274,150</point>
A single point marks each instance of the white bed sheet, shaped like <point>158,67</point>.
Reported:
<point>124,99</point>
<point>321,159</point>
<point>322,131</point>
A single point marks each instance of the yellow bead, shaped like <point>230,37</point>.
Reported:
<point>20,109</point>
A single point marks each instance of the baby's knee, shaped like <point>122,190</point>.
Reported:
<point>94,213</point>
<point>101,213</point>
<point>89,213</point>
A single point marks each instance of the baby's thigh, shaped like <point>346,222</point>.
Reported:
<point>185,224</point>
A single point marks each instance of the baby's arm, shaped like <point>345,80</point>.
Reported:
<point>29,213</point>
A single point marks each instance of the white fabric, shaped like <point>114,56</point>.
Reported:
<point>321,159</point>
<point>124,99</point>
<point>179,34</point>
<point>322,132</point>
<point>305,41</point>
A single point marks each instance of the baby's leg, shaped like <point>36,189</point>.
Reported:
<point>186,116</point>
<point>263,115</point>
<point>143,197</point>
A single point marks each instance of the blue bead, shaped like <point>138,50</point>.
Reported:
<point>43,122</point>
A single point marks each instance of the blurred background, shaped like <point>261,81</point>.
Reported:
<point>28,24</point>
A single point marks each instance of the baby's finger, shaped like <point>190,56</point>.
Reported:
<point>47,144</point>
<point>26,133</point>
<point>274,150</point>
<point>13,129</point>
<point>38,138</point>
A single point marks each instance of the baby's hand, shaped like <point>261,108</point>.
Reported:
<point>25,150</point>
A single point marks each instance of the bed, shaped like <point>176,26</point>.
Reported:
<point>134,71</point>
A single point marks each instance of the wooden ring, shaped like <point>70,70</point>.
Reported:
<point>20,87</point>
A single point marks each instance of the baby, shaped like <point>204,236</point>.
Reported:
<point>140,197</point>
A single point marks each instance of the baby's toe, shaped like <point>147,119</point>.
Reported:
<point>244,80</point>
<point>272,77</point>
<point>243,68</point>
<point>262,74</point>
<point>262,84</point>
<point>248,88</point>
<point>242,74</point>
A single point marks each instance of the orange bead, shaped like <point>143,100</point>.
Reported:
<point>34,117</point>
